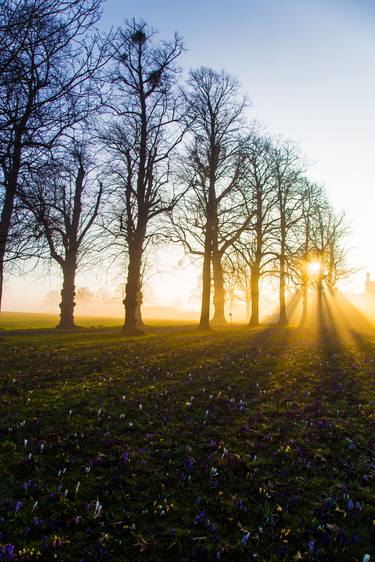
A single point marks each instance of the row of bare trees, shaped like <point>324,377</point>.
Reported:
<point>104,152</point>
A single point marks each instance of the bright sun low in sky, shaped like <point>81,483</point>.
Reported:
<point>308,69</point>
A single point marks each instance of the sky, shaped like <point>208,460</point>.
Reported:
<point>308,68</point>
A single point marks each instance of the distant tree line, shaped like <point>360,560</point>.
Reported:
<point>105,150</point>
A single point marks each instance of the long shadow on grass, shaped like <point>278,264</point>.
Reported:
<point>338,377</point>
<point>343,387</point>
<point>178,447</point>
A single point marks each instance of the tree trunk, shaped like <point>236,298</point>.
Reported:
<point>217,270</point>
<point>204,323</point>
<point>254,284</point>
<point>282,319</point>
<point>7,211</point>
<point>219,292</point>
<point>132,288</point>
<point>67,294</point>
<point>138,310</point>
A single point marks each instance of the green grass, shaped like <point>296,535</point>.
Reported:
<point>187,445</point>
<point>37,321</point>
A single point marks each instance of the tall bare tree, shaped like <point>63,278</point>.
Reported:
<point>47,62</point>
<point>237,277</point>
<point>287,170</point>
<point>330,236</point>
<point>254,246</point>
<point>63,198</point>
<point>304,257</point>
<point>213,169</point>
<point>146,128</point>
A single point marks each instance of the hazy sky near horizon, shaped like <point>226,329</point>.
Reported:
<point>308,67</point>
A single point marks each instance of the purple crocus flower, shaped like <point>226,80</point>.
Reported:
<point>245,538</point>
<point>189,463</point>
<point>7,552</point>
<point>18,506</point>
<point>199,518</point>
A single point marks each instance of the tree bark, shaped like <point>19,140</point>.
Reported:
<point>7,210</point>
<point>138,310</point>
<point>204,323</point>
<point>67,294</point>
<point>254,287</point>
<point>132,287</point>
<point>219,292</point>
<point>5,221</point>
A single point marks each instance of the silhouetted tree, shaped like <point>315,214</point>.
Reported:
<point>213,169</point>
<point>287,171</point>
<point>237,277</point>
<point>145,131</point>
<point>63,197</point>
<point>330,235</point>
<point>47,63</point>
<point>305,252</point>
<point>254,245</point>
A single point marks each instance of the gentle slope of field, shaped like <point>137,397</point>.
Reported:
<point>183,445</point>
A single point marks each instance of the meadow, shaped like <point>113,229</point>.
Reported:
<point>233,444</point>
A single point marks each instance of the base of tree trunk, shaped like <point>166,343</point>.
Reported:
<point>204,326</point>
<point>254,324</point>
<point>132,331</point>
<point>63,326</point>
<point>282,322</point>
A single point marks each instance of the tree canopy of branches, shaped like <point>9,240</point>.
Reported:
<point>253,250</point>
<point>212,171</point>
<point>287,171</point>
<point>63,205</point>
<point>48,62</point>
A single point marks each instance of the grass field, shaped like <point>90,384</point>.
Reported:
<point>38,321</point>
<point>35,321</point>
<point>184,445</point>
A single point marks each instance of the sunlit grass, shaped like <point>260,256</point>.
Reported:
<point>36,321</point>
<point>191,442</point>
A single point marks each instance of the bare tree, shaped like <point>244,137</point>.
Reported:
<point>237,277</point>
<point>145,130</point>
<point>63,197</point>
<point>213,168</point>
<point>287,171</point>
<point>330,236</point>
<point>47,63</point>
<point>304,257</point>
<point>254,246</point>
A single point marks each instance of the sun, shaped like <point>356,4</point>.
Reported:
<point>314,267</point>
